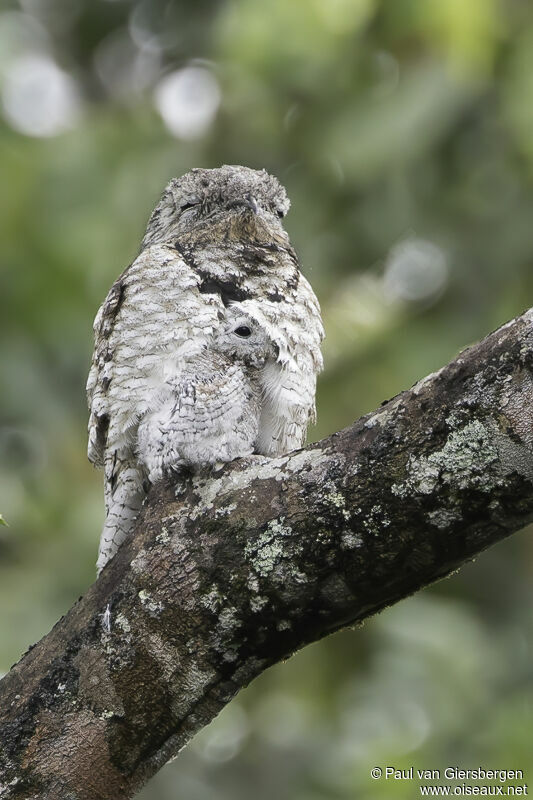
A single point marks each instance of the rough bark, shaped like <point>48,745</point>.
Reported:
<point>252,562</point>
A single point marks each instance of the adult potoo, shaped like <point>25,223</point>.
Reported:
<point>207,347</point>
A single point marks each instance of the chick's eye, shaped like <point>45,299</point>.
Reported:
<point>244,331</point>
<point>187,205</point>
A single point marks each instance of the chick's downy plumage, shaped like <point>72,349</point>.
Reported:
<point>207,347</point>
<point>206,407</point>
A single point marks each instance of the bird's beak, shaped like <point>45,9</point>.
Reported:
<point>248,201</point>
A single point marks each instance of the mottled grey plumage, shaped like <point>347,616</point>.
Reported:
<point>171,382</point>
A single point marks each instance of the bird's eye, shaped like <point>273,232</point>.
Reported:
<point>280,213</point>
<point>187,205</point>
<point>244,331</point>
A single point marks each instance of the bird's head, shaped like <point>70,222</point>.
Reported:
<point>209,194</point>
<point>242,338</point>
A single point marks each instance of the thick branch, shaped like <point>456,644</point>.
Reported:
<point>252,562</point>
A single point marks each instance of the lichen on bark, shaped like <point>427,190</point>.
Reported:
<point>249,563</point>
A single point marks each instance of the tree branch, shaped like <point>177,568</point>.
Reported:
<point>254,561</point>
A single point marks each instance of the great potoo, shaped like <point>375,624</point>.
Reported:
<point>207,347</point>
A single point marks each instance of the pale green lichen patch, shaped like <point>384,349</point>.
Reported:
<point>376,519</point>
<point>228,619</point>
<point>210,490</point>
<point>336,499</point>
<point>277,527</point>
<point>257,603</point>
<point>122,622</point>
<point>266,551</point>
<point>442,518</point>
<point>163,537</point>
<point>270,556</point>
<point>264,554</point>
<point>151,605</point>
<point>465,462</point>
<point>350,541</point>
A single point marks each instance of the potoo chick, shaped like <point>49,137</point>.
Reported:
<point>207,347</point>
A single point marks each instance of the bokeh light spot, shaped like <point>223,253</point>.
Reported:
<point>38,98</point>
<point>416,272</point>
<point>188,100</point>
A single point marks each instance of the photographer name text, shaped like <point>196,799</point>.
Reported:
<point>451,774</point>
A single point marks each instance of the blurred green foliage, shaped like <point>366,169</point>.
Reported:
<point>404,134</point>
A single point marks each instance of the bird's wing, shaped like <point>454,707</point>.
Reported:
<point>101,369</point>
<point>211,401</point>
<point>154,311</point>
<point>206,412</point>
